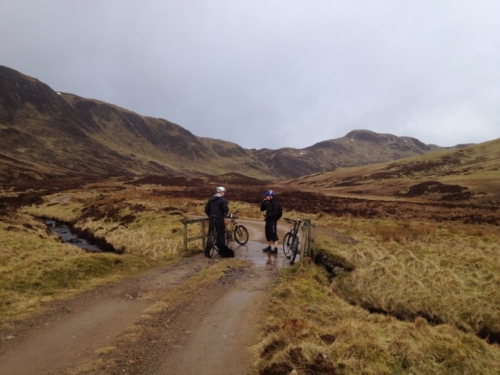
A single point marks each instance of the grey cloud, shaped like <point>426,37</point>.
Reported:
<point>272,74</point>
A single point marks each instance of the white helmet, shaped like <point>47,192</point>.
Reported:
<point>220,189</point>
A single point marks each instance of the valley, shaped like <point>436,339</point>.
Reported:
<point>404,277</point>
<point>156,300</point>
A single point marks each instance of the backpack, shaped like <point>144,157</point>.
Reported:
<point>226,252</point>
<point>280,211</point>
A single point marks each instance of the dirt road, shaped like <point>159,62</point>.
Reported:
<point>209,333</point>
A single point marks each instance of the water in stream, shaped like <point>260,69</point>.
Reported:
<point>65,234</point>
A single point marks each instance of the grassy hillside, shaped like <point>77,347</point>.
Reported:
<point>468,175</point>
<point>44,134</point>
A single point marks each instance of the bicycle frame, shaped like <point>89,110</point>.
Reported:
<point>234,231</point>
<point>291,241</point>
<point>230,226</point>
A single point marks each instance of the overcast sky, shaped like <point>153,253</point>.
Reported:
<point>269,73</point>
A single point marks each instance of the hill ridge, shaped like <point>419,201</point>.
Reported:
<point>47,133</point>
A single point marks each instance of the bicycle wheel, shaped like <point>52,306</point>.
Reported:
<point>241,234</point>
<point>295,249</point>
<point>212,243</point>
<point>229,237</point>
<point>287,245</point>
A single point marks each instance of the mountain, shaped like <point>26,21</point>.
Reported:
<point>44,134</point>
<point>48,133</point>
<point>469,174</point>
<point>358,147</point>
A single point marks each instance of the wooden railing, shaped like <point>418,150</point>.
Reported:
<point>203,231</point>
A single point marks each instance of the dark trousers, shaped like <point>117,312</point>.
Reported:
<point>220,227</point>
<point>271,230</point>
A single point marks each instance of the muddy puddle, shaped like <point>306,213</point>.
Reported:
<point>252,252</point>
<point>64,232</point>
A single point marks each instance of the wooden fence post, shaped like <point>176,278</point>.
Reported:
<point>308,240</point>
<point>202,236</point>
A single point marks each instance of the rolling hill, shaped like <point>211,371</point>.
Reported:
<point>45,134</point>
<point>467,175</point>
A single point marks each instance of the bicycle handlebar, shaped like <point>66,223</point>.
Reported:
<point>290,220</point>
<point>232,215</point>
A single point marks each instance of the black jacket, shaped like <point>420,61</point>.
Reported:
<point>272,209</point>
<point>216,206</point>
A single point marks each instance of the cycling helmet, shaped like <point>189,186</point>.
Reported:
<point>269,193</point>
<point>220,189</point>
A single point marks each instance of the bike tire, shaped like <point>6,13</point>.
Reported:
<point>241,234</point>
<point>228,237</point>
<point>295,249</point>
<point>287,245</point>
<point>212,238</point>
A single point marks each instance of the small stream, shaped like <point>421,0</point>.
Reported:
<point>63,231</point>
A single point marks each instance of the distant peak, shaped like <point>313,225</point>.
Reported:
<point>354,133</point>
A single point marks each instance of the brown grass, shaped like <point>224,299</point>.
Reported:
<point>422,297</point>
<point>311,329</point>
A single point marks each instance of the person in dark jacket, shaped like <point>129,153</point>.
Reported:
<point>216,208</point>
<point>273,214</point>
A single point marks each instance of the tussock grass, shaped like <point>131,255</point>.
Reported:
<point>311,329</point>
<point>444,274</point>
<point>36,267</point>
<point>130,220</point>
<point>152,235</point>
<point>422,297</point>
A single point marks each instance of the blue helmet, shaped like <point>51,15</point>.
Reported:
<point>269,193</point>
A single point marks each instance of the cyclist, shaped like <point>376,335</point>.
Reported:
<point>216,208</point>
<point>273,214</point>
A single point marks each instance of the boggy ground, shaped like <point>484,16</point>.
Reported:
<point>136,327</point>
<point>309,202</point>
<point>245,189</point>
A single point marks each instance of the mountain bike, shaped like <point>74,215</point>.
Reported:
<point>291,242</point>
<point>235,231</point>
